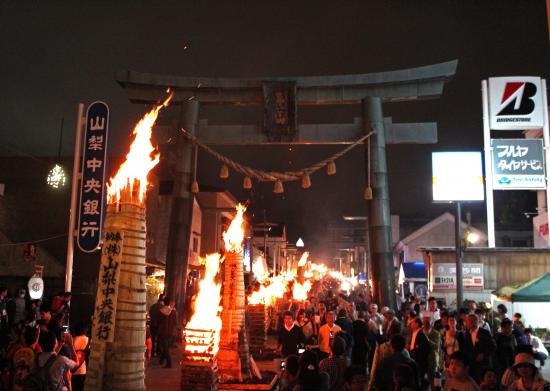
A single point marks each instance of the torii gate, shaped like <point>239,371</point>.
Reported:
<point>280,97</point>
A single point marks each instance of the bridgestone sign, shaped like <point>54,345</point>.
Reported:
<point>515,103</point>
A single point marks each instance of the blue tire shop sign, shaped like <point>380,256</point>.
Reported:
<point>92,188</point>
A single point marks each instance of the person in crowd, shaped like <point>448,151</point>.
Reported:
<point>290,336</point>
<point>518,329</point>
<point>463,312</point>
<point>360,303</point>
<point>376,321</point>
<point>479,345</point>
<point>363,341</point>
<point>433,310</point>
<point>383,376</point>
<point>420,349</point>
<point>407,330</point>
<point>154,311</point>
<point>176,331</point>
<point>57,365</point>
<point>310,378</point>
<point>459,369</point>
<point>392,324</point>
<point>3,308</point>
<point>33,315</point>
<point>509,376</point>
<point>502,311</point>
<point>351,311</point>
<point>22,357</point>
<point>47,322</point>
<point>489,380</point>
<point>322,312</point>
<point>327,332</point>
<point>346,324</point>
<point>416,304</point>
<point>304,323</point>
<point>453,340</point>
<point>529,377</point>
<point>17,308</point>
<point>336,364</point>
<point>166,325</point>
<point>382,351</point>
<point>331,303</point>
<point>442,324</point>
<point>315,321</point>
<point>342,302</point>
<point>434,337</point>
<point>483,324</point>
<point>539,351</point>
<point>289,377</point>
<point>28,339</point>
<point>81,344</point>
<point>505,347</point>
<point>404,379</point>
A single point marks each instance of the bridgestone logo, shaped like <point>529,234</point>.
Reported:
<point>513,119</point>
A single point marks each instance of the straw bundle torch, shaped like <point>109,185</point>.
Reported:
<point>117,353</point>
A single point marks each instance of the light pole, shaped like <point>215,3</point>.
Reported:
<point>459,255</point>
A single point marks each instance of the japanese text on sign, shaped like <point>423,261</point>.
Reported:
<point>93,177</point>
<point>107,287</point>
<point>518,164</point>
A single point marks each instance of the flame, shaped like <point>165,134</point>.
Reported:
<point>138,161</point>
<point>300,291</point>
<point>303,259</point>
<point>258,269</point>
<point>233,237</point>
<point>319,268</point>
<point>273,289</point>
<point>202,332</point>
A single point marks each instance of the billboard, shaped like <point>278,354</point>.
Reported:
<point>457,176</point>
<point>444,275</point>
<point>518,164</point>
<point>515,103</point>
<point>92,189</point>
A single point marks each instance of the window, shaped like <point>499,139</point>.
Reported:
<point>195,245</point>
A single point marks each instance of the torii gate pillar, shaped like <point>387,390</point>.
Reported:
<point>379,219</point>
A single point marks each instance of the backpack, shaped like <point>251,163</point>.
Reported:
<point>39,379</point>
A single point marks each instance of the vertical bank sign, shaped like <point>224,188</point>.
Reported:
<point>515,103</point>
<point>92,188</point>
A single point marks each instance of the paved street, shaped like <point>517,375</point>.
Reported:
<point>168,379</point>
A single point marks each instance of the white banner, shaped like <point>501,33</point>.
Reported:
<point>515,103</point>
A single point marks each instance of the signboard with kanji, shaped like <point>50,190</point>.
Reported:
<point>444,276</point>
<point>518,164</point>
<point>107,287</point>
<point>92,188</point>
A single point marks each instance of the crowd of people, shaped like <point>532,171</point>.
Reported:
<point>37,350</point>
<point>343,342</point>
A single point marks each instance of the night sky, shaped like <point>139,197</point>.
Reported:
<point>55,54</point>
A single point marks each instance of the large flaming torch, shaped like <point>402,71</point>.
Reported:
<point>117,355</point>
<point>233,356</point>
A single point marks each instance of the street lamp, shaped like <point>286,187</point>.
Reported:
<point>300,243</point>
<point>56,177</point>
